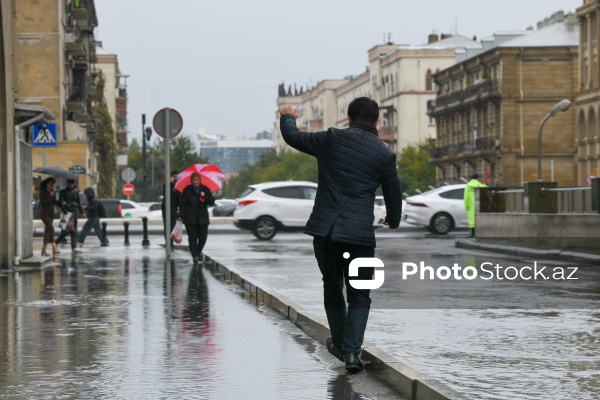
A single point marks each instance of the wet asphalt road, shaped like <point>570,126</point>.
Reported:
<point>120,323</point>
<point>497,339</point>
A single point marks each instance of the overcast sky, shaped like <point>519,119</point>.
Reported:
<point>219,62</point>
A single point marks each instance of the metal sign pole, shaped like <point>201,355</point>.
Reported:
<point>167,184</point>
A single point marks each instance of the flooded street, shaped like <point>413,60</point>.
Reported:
<point>119,323</point>
<point>494,340</point>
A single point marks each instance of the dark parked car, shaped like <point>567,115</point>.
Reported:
<point>113,208</point>
<point>225,209</point>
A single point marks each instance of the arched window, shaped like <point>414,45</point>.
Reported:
<point>428,81</point>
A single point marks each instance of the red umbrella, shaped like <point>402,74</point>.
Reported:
<point>210,176</point>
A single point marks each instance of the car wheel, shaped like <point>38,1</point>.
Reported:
<point>442,223</point>
<point>264,228</point>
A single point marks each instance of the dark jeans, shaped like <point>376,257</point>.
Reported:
<point>92,222</point>
<point>347,326</point>
<point>73,234</point>
<point>196,238</point>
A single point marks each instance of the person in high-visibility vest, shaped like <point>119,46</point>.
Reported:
<point>469,197</point>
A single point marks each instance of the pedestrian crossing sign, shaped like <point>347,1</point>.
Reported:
<point>44,135</point>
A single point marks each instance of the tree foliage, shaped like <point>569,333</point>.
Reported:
<point>414,169</point>
<point>105,142</point>
<point>182,155</point>
<point>273,167</point>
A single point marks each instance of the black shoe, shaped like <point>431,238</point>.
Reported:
<point>333,349</point>
<point>353,363</point>
<point>195,260</point>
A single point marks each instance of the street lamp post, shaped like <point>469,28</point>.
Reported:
<point>144,185</point>
<point>562,105</point>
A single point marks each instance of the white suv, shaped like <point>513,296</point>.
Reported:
<point>265,208</point>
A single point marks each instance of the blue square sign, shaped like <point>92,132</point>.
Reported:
<point>44,135</point>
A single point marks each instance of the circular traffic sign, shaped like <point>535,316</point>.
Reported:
<point>128,189</point>
<point>128,174</point>
<point>589,178</point>
<point>175,123</point>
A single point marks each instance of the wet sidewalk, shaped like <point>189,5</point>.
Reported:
<point>123,323</point>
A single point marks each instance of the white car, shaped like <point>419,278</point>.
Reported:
<point>380,211</point>
<point>439,210</point>
<point>131,209</point>
<point>265,208</point>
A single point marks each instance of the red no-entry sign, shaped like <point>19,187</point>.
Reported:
<point>128,189</point>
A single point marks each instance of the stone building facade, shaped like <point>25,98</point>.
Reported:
<point>55,55</point>
<point>398,78</point>
<point>587,103</point>
<point>490,104</point>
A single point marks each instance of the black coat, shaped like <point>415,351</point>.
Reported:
<point>174,199</point>
<point>73,202</point>
<point>353,163</point>
<point>192,210</point>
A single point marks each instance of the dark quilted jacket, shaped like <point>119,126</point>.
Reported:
<point>353,163</point>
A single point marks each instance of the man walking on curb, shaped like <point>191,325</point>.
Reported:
<point>352,164</point>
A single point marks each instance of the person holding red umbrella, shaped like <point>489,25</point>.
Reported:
<point>193,211</point>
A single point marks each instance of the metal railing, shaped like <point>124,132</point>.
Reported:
<point>576,199</point>
<point>567,200</point>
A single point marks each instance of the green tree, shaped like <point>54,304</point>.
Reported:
<point>273,167</point>
<point>414,169</point>
<point>105,142</point>
<point>182,155</point>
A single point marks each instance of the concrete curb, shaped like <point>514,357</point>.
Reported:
<point>565,255</point>
<point>407,381</point>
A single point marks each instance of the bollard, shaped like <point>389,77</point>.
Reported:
<point>126,226</point>
<point>104,241</point>
<point>145,241</point>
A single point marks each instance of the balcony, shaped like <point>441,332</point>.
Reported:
<point>482,90</point>
<point>387,134</point>
<point>465,148</point>
<point>76,99</point>
<point>73,45</point>
<point>485,143</point>
<point>80,10</point>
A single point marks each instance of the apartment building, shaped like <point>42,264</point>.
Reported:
<point>55,56</point>
<point>490,104</point>
<point>115,94</point>
<point>398,78</point>
<point>317,109</point>
<point>587,103</point>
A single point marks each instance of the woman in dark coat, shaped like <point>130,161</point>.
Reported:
<point>193,211</point>
<point>48,201</point>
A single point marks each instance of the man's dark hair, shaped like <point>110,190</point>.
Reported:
<point>363,109</point>
<point>475,176</point>
<point>174,173</point>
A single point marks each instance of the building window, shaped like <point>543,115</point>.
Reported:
<point>428,81</point>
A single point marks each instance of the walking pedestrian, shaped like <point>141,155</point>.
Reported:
<point>94,210</point>
<point>469,197</point>
<point>193,211</point>
<point>174,193</point>
<point>48,202</point>
<point>68,201</point>
<point>353,163</point>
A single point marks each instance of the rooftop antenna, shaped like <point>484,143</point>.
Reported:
<point>455,26</point>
